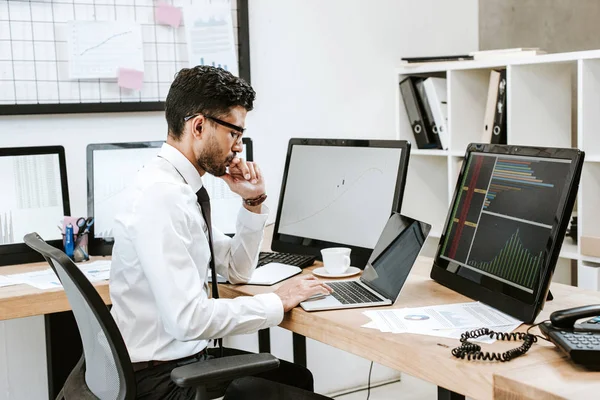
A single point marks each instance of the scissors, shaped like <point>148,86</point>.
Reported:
<point>84,225</point>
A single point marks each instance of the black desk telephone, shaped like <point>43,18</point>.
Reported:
<point>581,342</point>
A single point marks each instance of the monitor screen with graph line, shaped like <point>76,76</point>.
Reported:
<point>339,192</point>
<point>111,168</point>
<point>35,198</point>
<point>507,221</point>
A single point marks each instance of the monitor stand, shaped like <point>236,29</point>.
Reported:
<point>549,297</point>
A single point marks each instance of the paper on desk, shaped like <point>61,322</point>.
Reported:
<point>47,279</point>
<point>96,270</point>
<point>4,281</point>
<point>371,325</point>
<point>44,279</point>
<point>449,320</point>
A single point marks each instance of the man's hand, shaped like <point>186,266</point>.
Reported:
<point>296,290</point>
<point>245,179</point>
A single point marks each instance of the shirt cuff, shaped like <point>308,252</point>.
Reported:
<point>273,307</point>
<point>254,221</point>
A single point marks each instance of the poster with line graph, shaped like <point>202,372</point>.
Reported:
<point>97,49</point>
<point>504,214</point>
<point>34,54</point>
<point>339,194</point>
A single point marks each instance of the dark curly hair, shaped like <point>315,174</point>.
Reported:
<point>204,90</point>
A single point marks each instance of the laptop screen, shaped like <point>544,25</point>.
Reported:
<point>388,271</point>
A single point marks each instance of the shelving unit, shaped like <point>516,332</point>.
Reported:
<point>540,111</point>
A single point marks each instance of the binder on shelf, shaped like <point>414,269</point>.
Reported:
<point>437,95</point>
<point>428,121</point>
<point>499,129</point>
<point>490,107</point>
<point>415,115</point>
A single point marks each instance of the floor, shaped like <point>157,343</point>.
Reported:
<point>408,388</point>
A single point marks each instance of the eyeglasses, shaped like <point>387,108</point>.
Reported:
<point>218,121</point>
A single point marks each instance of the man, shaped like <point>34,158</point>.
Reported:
<point>162,253</point>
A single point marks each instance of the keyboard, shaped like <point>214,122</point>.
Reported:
<point>298,260</point>
<point>351,292</point>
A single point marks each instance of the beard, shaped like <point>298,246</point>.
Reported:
<point>210,160</point>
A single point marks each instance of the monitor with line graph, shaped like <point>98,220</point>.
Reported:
<point>339,192</point>
<point>506,224</point>
<point>35,198</point>
<point>111,168</point>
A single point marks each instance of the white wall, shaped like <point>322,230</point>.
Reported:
<point>325,68</point>
<point>320,68</point>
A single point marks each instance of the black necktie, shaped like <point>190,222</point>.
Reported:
<point>204,201</point>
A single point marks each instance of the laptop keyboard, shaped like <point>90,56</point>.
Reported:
<point>351,292</point>
<point>298,260</point>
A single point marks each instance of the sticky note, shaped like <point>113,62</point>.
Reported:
<point>167,14</point>
<point>130,78</point>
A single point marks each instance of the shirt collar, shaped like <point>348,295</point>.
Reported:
<point>182,165</point>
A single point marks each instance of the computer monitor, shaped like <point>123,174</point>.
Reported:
<point>111,167</point>
<point>339,192</point>
<point>506,224</point>
<point>35,198</point>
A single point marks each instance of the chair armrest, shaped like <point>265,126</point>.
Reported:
<point>222,369</point>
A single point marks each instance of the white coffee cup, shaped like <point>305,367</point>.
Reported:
<point>336,260</point>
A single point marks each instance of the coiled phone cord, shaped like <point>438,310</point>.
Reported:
<point>472,351</point>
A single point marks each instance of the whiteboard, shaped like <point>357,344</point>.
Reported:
<point>34,51</point>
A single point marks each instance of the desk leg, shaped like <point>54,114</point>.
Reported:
<point>299,343</point>
<point>445,394</point>
<point>264,341</point>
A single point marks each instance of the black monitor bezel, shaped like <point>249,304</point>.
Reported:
<point>359,255</point>
<point>103,246</point>
<point>522,309</point>
<point>20,253</point>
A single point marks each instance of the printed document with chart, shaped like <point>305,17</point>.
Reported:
<point>446,320</point>
<point>209,35</point>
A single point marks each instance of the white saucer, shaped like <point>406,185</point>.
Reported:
<point>322,272</point>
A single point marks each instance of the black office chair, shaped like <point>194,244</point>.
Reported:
<point>105,371</point>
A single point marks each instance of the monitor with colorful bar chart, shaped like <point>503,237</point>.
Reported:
<point>506,225</point>
<point>504,215</point>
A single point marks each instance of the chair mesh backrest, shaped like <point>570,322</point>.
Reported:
<point>109,373</point>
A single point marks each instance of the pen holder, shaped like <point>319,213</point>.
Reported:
<point>75,243</point>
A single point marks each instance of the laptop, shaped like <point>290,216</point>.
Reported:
<point>392,259</point>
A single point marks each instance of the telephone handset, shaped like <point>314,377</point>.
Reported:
<point>581,342</point>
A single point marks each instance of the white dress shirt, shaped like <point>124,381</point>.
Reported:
<point>160,264</point>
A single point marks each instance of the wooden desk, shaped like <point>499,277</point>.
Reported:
<point>542,373</point>
<point>427,357</point>
<point>20,301</point>
<point>557,380</point>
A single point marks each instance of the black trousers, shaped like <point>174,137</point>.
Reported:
<point>289,381</point>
